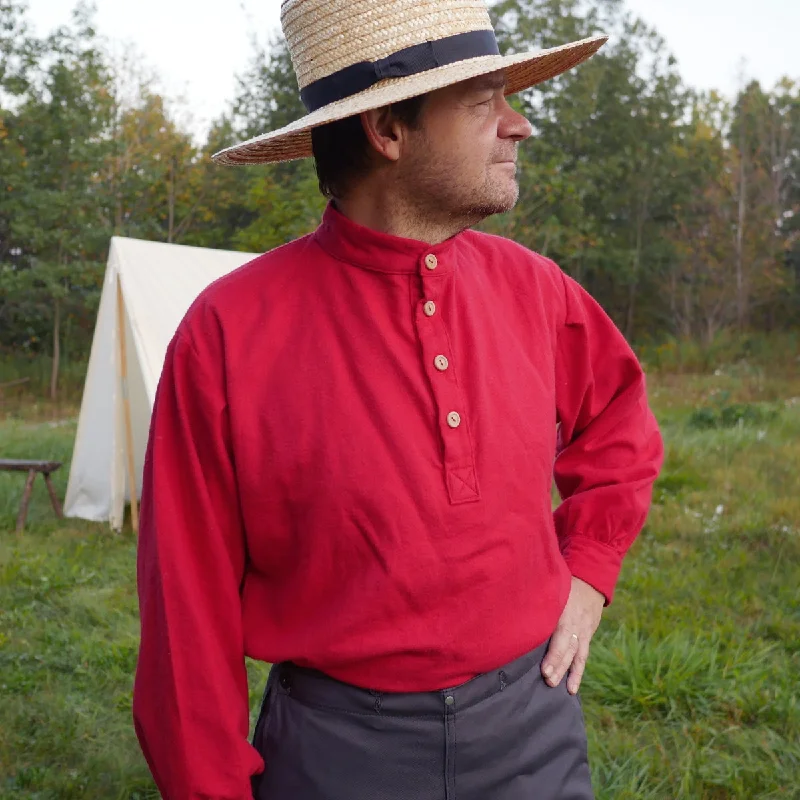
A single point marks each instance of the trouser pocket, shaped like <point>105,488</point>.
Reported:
<point>260,730</point>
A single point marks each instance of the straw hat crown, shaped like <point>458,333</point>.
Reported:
<point>325,36</point>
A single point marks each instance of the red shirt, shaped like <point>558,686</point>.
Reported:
<point>350,467</point>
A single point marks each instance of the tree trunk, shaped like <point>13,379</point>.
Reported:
<point>711,329</point>
<point>688,312</point>
<point>546,245</point>
<point>637,258</point>
<point>673,298</point>
<point>171,199</point>
<point>56,350</point>
<point>632,289</point>
<point>740,298</point>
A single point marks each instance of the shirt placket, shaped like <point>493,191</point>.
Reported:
<point>440,364</point>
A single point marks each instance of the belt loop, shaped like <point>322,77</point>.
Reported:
<point>450,744</point>
<point>285,679</point>
<point>378,700</point>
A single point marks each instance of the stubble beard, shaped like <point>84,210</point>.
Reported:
<point>437,195</point>
<point>498,200</point>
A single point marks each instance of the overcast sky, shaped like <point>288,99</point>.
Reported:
<point>197,50</point>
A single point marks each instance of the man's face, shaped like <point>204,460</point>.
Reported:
<point>461,160</point>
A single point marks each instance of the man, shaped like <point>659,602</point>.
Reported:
<point>353,444</point>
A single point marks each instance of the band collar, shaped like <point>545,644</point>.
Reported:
<point>364,247</point>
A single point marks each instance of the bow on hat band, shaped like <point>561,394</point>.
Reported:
<point>409,61</point>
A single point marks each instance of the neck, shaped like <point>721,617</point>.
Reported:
<point>389,212</point>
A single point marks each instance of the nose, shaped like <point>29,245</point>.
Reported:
<point>513,125</point>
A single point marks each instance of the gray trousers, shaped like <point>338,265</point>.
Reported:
<point>505,735</point>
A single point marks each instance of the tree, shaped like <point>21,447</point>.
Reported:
<point>764,136</point>
<point>14,48</point>
<point>728,251</point>
<point>261,208</point>
<point>61,293</point>
<point>679,212</point>
<point>56,140</point>
<point>699,284</point>
<point>220,209</point>
<point>596,184</point>
<point>148,173</point>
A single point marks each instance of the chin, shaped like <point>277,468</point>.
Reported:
<point>499,203</point>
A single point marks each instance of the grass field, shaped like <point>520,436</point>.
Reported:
<point>692,685</point>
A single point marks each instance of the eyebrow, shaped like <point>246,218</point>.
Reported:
<point>491,81</point>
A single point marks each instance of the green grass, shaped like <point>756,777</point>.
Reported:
<point>692,685</point>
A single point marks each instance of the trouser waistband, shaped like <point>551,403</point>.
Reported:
<point>314,688</point>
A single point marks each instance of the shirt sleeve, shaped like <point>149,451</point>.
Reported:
<point>609,451</point>
<point>190,701</point>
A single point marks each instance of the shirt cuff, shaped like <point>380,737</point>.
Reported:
<point>593,562</point>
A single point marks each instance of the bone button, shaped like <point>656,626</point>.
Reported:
<point>431,262</point>
<point>454,419</point>
<point>429,308</point>
<point>441,363</point>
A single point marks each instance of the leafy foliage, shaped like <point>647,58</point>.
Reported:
<point>678,210</point>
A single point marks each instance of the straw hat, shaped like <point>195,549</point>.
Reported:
<point>355,55</point>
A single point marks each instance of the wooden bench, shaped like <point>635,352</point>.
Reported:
<point>32,468</point>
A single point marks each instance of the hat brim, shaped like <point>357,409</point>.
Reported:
<point>522,71</point>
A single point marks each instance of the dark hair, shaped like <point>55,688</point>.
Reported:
<point>341,149</point>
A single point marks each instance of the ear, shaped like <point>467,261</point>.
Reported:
<point>385,133</point>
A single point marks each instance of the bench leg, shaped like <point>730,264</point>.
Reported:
<point>26,499</point>
<point>53,496</point>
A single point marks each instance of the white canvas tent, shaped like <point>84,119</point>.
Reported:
<point>148,287</point>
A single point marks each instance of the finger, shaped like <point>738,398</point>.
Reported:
<point>561,671</point>
<point>577,667</point>
<point>560,653</point>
